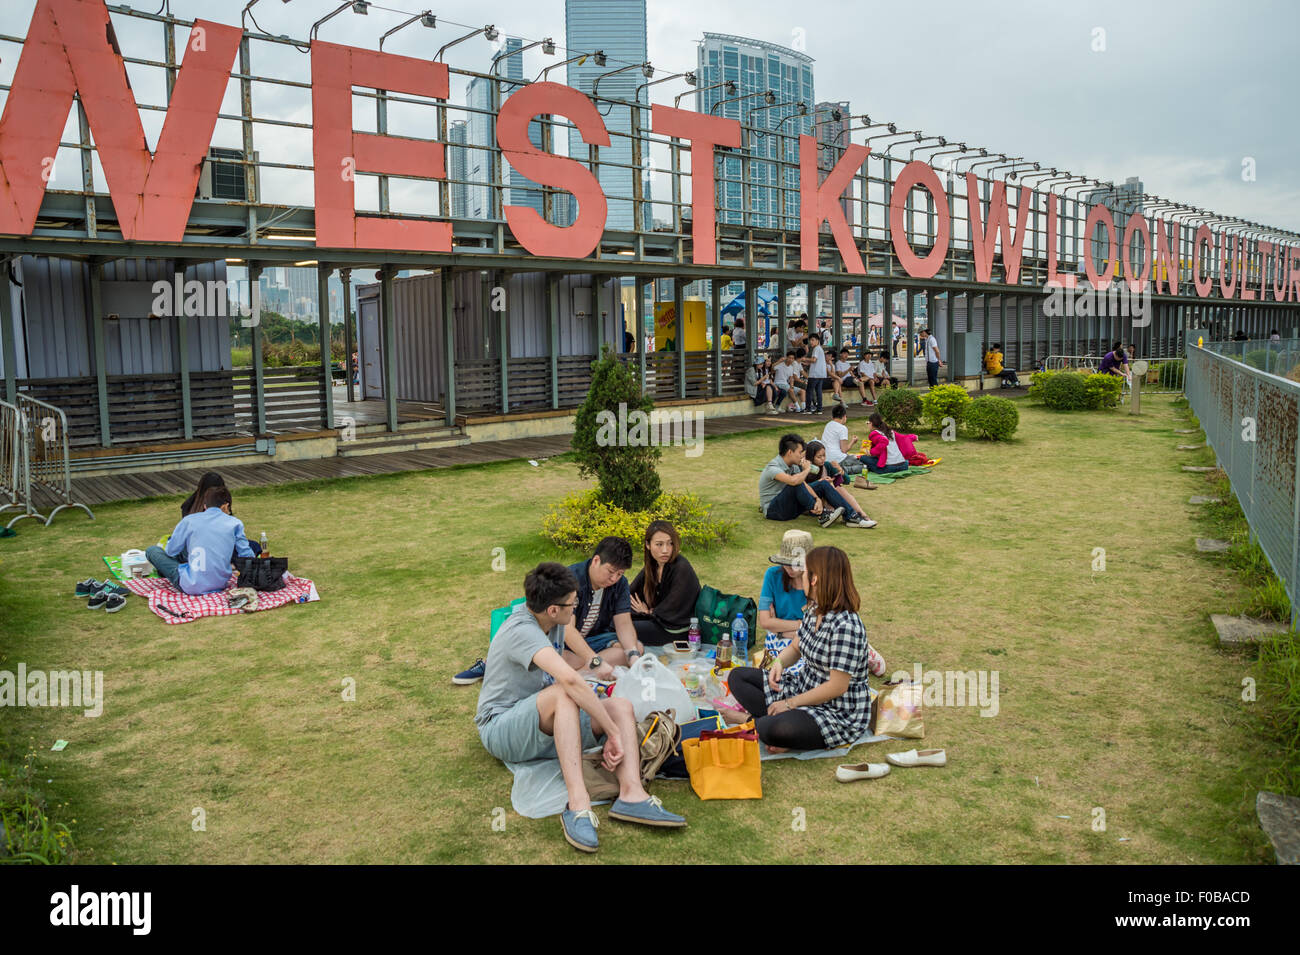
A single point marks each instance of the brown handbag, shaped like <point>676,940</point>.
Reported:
<point>659,736</point>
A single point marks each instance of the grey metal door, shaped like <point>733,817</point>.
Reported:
<point>372,363</point>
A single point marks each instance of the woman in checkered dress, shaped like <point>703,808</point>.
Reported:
<point>827,702</point>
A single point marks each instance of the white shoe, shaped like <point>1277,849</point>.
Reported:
<point>924,757</point>
<point>863,523</point>
<point>849,773</point>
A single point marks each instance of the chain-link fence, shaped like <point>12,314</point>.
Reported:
<point>1251,418</point>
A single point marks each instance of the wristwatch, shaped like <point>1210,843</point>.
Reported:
<point>595,663</point>
<point>633,653</point>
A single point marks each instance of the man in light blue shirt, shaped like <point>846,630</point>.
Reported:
<point>208,540</point>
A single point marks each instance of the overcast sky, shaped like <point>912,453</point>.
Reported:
<point>1178,94</point>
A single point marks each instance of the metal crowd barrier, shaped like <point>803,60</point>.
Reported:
<point>43,436</point>
<point>13,486</point>
<point>1251,419</point>
<point>1093,362</point>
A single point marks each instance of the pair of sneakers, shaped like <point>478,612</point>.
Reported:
<point>106,596</point>
<point>828,518</point>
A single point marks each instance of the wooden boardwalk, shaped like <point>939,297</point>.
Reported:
<point>124,487</point>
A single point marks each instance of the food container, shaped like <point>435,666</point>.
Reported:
<point>678,652</point>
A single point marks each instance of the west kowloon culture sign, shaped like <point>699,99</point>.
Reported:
<point>70,49</point>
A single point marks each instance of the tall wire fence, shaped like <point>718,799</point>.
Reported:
<point>1251,418</point>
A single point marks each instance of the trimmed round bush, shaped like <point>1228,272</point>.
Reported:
<point>946,401</point>
<point>1104,391</point>
<point>1258,358</point>
<point>992,417</point>
<point>1065,391</point>
<point>900,408</point>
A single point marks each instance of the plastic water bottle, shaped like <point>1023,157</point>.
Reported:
<point>266,552</point>
<point>693,635</point>
<point>740,639</point>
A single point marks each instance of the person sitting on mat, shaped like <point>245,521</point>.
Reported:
<point>206,540</point>
<point>194,505</point>
<point>602,635</point>
<point>534,705</point>
<point>665,591</point>
<point>891,450</point>
<point>827,703</point>
<point>781,599</point>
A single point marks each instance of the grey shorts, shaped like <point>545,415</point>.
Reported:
<point>516,736</point>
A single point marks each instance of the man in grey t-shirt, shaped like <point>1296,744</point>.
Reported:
<point>534,705</point>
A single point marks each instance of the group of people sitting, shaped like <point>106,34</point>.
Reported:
<point>803,373</point>
<point>198,554</point>
<point>578,622</point>
<point>813,477</point>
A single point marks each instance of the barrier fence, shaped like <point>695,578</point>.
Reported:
<point>1251,418</point>
<point>12,485</point>
<point>1276,357</point>
<point>1156,381</point>
<point>36,444</point>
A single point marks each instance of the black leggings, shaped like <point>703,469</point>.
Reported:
<point>795,729</point>
<point>651,634</point>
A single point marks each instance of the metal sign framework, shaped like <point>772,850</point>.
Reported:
<point>84,217</point>
<point>913,199</point>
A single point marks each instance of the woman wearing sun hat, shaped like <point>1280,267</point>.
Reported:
<point>781,602</point>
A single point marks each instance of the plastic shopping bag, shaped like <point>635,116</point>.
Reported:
<point>650,686</point>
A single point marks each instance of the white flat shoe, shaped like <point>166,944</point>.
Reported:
<point>849,773</point>
<point>923,757</point>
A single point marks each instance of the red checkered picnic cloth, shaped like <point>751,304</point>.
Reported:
<point>160,593</point>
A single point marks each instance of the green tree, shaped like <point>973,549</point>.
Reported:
<point>623,460</point>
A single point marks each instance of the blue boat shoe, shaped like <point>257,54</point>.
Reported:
<point>648,813</point>
<point>580,829</point>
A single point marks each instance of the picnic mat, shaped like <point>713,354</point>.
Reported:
<point>173,606</point>
<point>891,478</point>
<point>114,562</point>
<point>538,789</point>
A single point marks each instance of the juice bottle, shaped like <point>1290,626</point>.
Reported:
<point>723,658</point>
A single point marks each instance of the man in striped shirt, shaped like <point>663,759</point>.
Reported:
<point>601,635</point>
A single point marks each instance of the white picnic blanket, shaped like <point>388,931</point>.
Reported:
<point>539,791</point>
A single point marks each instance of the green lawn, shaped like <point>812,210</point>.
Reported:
<point>1113,691</point>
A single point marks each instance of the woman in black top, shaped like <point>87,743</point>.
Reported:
<point>194,503</point>
<point>665,591</point>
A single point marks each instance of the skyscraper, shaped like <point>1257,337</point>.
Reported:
<point>457,134</point>
<point>618,28</point>
<point>757,67</point>
<point>478,162</point>
<point>523,191</point>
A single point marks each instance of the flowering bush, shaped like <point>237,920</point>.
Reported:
<point>580,520</point>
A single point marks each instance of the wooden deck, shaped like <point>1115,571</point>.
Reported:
<point>119,487</point>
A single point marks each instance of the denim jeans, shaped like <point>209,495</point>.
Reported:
<point>169,567</point>
<point>826,491</point>
<point>875,468</point>
<point>793,500</point>
<point>932,373</point>
<point>815,385</point>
